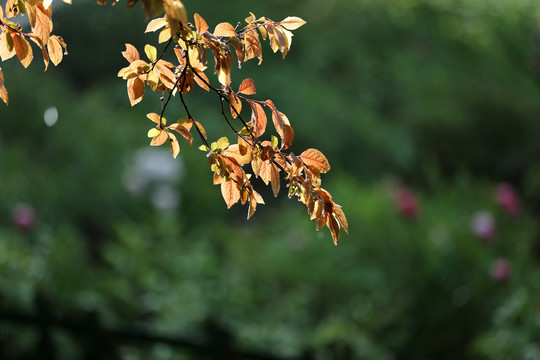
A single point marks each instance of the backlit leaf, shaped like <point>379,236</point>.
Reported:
<point>292,22</point>
<point>176,12</point>
<point>258,118</point>
<point>153,132</point>
<point>6,46</point>
<point>287,138</point>
<point>23,50</point>
<point>182,130</point>
<point>159,139</point>
<point>224,29</point>
<point>235,104</point>
<point>234,151</point>
<point>156,118</point>
<point>315,160</point>
<point>247,87</point>
<point>230,193</point>
<point>340,216</point>
<point>43,24</point>
<point>200,24</point>
<point>175,146</point>
<point>252,46</point>
<point>135,88</point>
<point>4,95</point>
<point>36,40</point>
<point>156,24</point>
<point>151,52</point>
<point>55,50</point>
<point>334,228</point>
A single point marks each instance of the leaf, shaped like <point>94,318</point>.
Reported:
<point>292,22</point>
<point>160,138</point>
<point>36,40</point>
<point>315,160</point>
<point>164,35</point>
<point>151,52</point>
<point>340,216</point>
<point>153,132</point>
<point>156,24</point>
<point>252,46</point>
<point>234,151</point>
<point>55,50</point>
<point>221,144</point>
<point>235,105</point>
<point>4,95</point>
<point>23,50</point>
<point>230,193</point>
<point>202,82</point>
<point>332,224</point>
<point>254,199</point>
<point>200,24</point>
<point>224,29</point>
<point>135,88</point>
<point>182,130</point>
<point>287,138</point>
<point>43,25</point>
<point>176,13</point>
<point>6,46</point>
<point>47,3</point>
<point>175,146</point>
<point>258,118</point>
<point>1,78</point>
<point>247,87</point>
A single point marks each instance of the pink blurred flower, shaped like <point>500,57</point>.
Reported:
<point>407,204</point>
<point>507,198</point>
<point>483,225</point>
<point>24,217</point>
<point>501,269</point>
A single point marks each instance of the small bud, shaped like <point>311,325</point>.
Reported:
<point>501,269</point>
<point>507,198</point>
<point>407,204</point>
<point>24,217</point>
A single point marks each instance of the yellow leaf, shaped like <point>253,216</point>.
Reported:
<point>316,161</point>
<point>23,50</point>
<point>156,24</point>
<point>153,132</point>
<point>155,118</point>
<point>247,87</point>
<point>151,52</point>
<point>222,143</point>
<point>292,22</point>
<point>164,35</point>
<point>224,29</point>
<point>55,50</point>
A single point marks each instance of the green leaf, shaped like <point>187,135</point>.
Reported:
<point>153,132</point>
<point>151,52</point>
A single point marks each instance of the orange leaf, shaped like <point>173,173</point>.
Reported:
<point>287,138</point>
<point>235,152</point>
<point>175,146</point>
<point>55,50</point>
<point>332,224</point>
<point>224,29</point>
<point>23,50</point>
<point>235,104</point>
<point>164,35</point>
<point>160,138</point>
<point>182,130</point>
<point>247,87</point>
<point>252,46</point>
<point>258,118</point>
<point>135,88</point>
<point>202,83</point>
<point>43,24</point>
<point>292,22</point>
<point>1,78</point>
<point>254,199</point>
<point>340,216</point>
<point>156,118</point>
<point>200,24</point>
<point>131,54</point>
<point>315,160</point>
<point>4,95</point>
<point>36,40</point>
<point>230,193</point>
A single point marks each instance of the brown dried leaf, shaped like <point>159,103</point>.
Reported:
<point>235,152</point>
<point>182,130</point>
<point>4,95</point>
<point>23,50</point>
<point>12,8</point>
<point>224,29</point>
<point>287,138</point>
<point>333,225</point>
<point>42,25</point>
<point>247,87</point>
<point>230,193</point>
<point>36,40</point>
<point>202,82</point>
<point>316,161</point>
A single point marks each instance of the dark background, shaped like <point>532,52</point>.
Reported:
<point>428,112</point>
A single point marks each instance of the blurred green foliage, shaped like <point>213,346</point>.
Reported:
<point>440,95</point>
